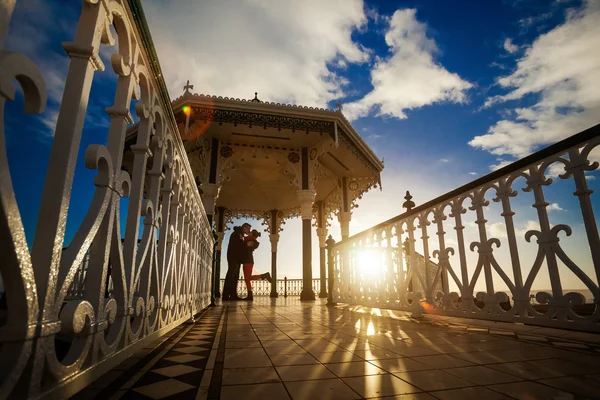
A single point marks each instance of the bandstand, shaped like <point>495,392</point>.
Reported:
<point>273,162</point>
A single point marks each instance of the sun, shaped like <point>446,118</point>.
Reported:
<point>369,263</point>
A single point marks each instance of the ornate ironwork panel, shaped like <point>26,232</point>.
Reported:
<point>265,121</point>
<point>70,310</point>
<point>289,287</point>
<point>480,269</point>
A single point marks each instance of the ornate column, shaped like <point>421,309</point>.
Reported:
<point>274,237</point>
<point>345,214</point>
<point>274,240</point>
<point>306,197</point>
<point>330,265</point>
<point>210,190</point>
<point>220,237</point>
<point>322,234</point>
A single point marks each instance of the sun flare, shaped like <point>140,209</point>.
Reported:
<point>368,263</point>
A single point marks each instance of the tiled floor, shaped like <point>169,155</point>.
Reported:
<point>285,349</point>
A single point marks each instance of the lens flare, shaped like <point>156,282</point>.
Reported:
<point>186,110</point>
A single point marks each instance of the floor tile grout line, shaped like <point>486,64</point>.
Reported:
<point>474,365</point>
<point>516,338</point>
<point>269,357</point>
<point>539,345</point>
<point>320,363</point>
<point>481,328</point>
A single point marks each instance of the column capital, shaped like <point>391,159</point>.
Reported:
<point>274,240</point>
<point>344,218</point>
<point>306,198</point>
<point>210,189</point>
<point>322,235</point>
<point>210,192</point>
<point>220,237</point>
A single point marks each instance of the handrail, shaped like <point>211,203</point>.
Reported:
<point>139,18</point>
<point>480,269</point>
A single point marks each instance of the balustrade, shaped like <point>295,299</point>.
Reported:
<point>481,269</point>
<point>285,287</point>
<point>70,314</point>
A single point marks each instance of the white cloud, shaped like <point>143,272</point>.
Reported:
<point>529,226</point>
<point>283,50</point>
<point>554,170</point>
<point>472,173</point>
<point>555,207</point>
<point>525,23</point>
<point>410,77</point>
<point>501,164</point>
<point>590,177</point>
<point>444,160</point>
<point>498,229</point>
<point>561,67</point>
<point>510,47</point>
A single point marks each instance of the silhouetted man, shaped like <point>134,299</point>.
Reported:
<point>236,252</point>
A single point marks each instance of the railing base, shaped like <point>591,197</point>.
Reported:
<point>274,295</point>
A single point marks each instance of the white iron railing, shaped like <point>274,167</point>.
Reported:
<point>62,324</point>
<point>477,255</point>
<point>285,287</point>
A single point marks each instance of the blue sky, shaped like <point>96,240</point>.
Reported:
<point>444,91</point>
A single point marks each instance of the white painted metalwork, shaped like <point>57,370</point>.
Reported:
<point>375,267</point>
<point>74,313</point>
<point>285,287</point>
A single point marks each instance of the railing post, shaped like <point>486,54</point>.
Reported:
<point>285,286</point>
<point>215,279</point>
<point>330,275</point>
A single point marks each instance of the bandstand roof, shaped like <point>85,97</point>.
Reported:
<point>259,159</point>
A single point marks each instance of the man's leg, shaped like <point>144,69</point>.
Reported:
<point>235,279</point>
<point>229,286</point>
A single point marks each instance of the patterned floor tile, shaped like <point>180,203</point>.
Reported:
<point>310,351</point>
<point>184,358</point>
<point>380,385</point>
<point>162,389</point>
<point>189,349</point>
<point>175,370</point>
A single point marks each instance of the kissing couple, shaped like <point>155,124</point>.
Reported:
<point>240,251</point>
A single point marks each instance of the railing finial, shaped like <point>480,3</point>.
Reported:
<point>330,241</point>
<point>408,204</point>
<point>187,88</point>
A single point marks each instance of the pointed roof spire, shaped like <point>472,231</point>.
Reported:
<point>339,105</point>
<point>255,99</point>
